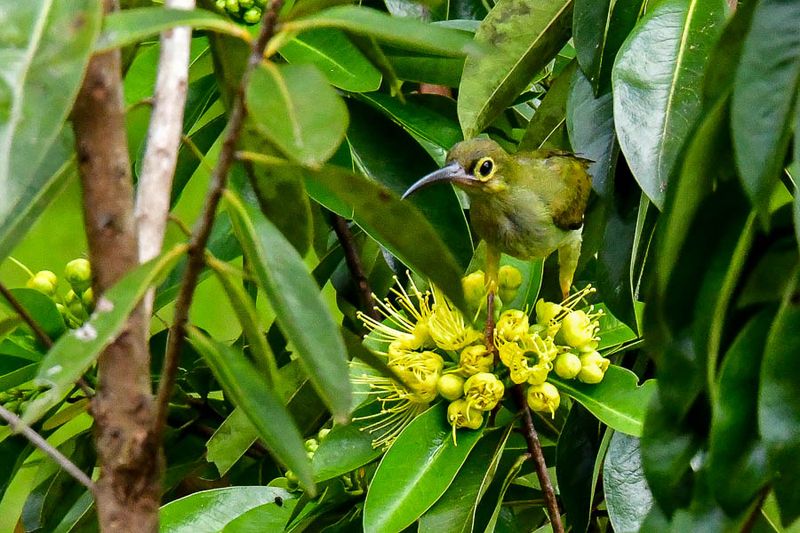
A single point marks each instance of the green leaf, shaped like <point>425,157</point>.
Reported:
<point>210,511</point>
<point>737,466</point>
<point>598,30</point>
<point>336,57</point>
<point>298,111</point>
<point>230,441</point>
<point>628,497</point>
<point>42,309</point>
<point>779,404</point>
<point>618,401</point>
<point>399,32</point>
<point>395,224</point>
<point>655,80</point>
<point>343,450</point>
<point>295,297</point>
<point>525,36</point>
<point>416,471</point>
<point>401,165</point>
<point>551,114</point>
<point>426,68</point>
<point>128,27</point>
<point>455,510</point>
<point>765,92</point>
<point>262,405</point>
<point>613,332</point>
<point>576,454</point>
<point>75,352</point>
<point>268,517</point>
<point>45,47</point>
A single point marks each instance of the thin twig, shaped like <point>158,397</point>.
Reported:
<point>37,440</point>
<point>535,451</point>
<point>163,141</point>
<point>353,261</point>
<point>40,334</point>
<point>202,230</point>
<point>750,522</point>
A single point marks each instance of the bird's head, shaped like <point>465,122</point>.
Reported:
<point>478,166</point>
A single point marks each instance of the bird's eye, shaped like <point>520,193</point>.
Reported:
<point>484,168</point>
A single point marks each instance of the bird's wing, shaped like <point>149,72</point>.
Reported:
<point>565,184</point>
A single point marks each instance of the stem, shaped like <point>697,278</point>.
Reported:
<point>37,440</point>
<point>44,339</point>
<point>202,229</point>
<point>354,265</point>
<point>535,451</point>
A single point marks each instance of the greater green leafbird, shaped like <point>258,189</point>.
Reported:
<point>526,205</point>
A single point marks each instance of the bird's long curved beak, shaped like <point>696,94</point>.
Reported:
<point>453,173</point>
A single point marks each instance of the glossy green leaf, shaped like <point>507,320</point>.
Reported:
<point>736,458</point>
<point>613,332</point>
<point>336,57</point>
<point>128,27</point>
<point>343,450</point>
<point>42,309</point>
<point>489,515</point>
<point>45,47</point>
<point>398,32</point>
<point>455,510</point>
<point>598,29</point>
<point>268,517</point>
<point>525,36</point>
<point>392,222</point>
<point>426,68</point>
<point>210,511</point>
<point>249,391</point>
<point>76,351</point>
<point>618,401</point>
<point>295,297</point>
<point>655,80</point>
<point>398,168</point>
<point>628,497</point>
<point>779,404</point>
<point>230,441</point>
<point>298,111</point>
<point>416,471</point>
<point>551,114</point>
<point>576,455</point>
<point>764,94</point>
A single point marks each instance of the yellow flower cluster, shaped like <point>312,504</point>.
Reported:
<point>435,351</point>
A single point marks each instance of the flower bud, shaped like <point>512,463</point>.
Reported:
<point>292,481</point>
<point>246,4</point>
<point>252,15</point>
<point>43,281</point>
<point>567,365</point>
<point>512,325</point>
<point>450,386</point>
<point>323,433</point>
<point>460,415</point>
<point>537,374</point>
<point>593,367</point>
<point>543,398</point>
<point>483,391</point>
<point>547,311</point>
<point>232,6</point>
<point>509,280</point>
<point>474,359</point>
<point>577,329</point>
<point>78,273</point>
<point>311,445</point>
<point>87,299</point>
<point>474,286</point>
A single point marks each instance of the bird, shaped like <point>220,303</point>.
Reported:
<point>526,205</point>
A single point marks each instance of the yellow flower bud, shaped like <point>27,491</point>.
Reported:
<point>509,280</point>
<point>593,367</point>
<point>544,398</point>
<point>537,374</point>
<point>577,329</point>
<point>474,286</point>
<point>78,273</point>
<point>311,445</point>
<point>450,386</point>
<point>460,415</point>
<point>512,325</point>
<point>547,311</point>
<point>483,391</point>
<point>474,359</point>
<point>43,281</point>
<point>87,299</point>
<point>420,372</point>
<point>567,365</point>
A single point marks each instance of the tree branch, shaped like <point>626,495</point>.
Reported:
<point>128,490</point>
<point>353,261</point>
<point>37,440</point>
<point>202,229</point>
<point>535,451</point>
<point>163,140</point>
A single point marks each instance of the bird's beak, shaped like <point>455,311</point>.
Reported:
<point>453,173</point>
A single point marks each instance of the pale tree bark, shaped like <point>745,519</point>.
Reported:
<point>128,490</point>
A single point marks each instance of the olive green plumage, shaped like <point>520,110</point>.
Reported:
<point>526,205</point>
